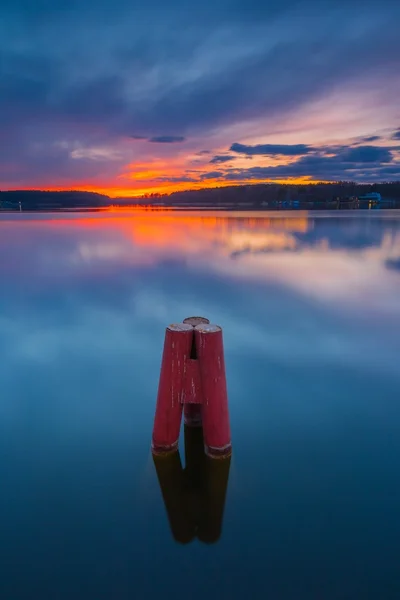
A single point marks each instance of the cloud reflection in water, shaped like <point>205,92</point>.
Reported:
<point>310,312</point>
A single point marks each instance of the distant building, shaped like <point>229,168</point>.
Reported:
<point>371,197</point>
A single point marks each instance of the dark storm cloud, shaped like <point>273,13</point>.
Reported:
<point>167,139</point>
<point>94,72</point>
<point>221,159</point>
<point>271,149</point>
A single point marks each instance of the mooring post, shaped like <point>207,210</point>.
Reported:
<point>196,320</point>
<point>192,414</point>
<point>193,380</point>
<point>167,420</point>
<point>216,427</point>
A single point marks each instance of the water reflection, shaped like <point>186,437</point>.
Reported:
<point>143,239</point>
<point>310,309</point>
<point>333,260</point>
<point>194,496</point>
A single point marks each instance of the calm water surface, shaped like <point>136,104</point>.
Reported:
<point>310,306</point>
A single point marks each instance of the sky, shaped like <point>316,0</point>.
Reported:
<point>128,98</point>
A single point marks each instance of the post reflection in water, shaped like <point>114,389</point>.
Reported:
<point>311,319</point>
<point>194,496</point>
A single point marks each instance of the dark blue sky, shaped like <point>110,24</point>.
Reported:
<point>128,97</point>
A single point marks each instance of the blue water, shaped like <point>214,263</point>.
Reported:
<point>310,308</point>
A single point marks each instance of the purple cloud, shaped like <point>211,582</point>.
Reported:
<point>167,139</point>
<point>271,149</point>
<point>221,159</point>
<point>87,77</point>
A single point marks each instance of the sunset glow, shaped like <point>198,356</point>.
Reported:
<point>128,101</point>
<point>296,251</point>
<point>165,188</point>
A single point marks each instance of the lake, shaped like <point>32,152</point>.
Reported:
<point>310,310</point>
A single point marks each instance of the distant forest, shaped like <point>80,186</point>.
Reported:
<point>268,196</point>
<point>273,196</point>
<point>43,200</point>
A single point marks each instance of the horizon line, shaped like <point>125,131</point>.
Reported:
<point>146,195</point>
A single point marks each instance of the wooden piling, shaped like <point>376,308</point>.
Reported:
<point>210,353</point>
<point>167,420</point>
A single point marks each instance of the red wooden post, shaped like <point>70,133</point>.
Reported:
<point>195,320</point>
<point>192,415</point>
<point>167,420</point>
<point>193,397</point>
<point>216,427</point>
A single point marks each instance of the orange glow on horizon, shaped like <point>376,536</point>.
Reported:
<point>171,229</point>
<point>160,176</point>
<point>138,238</point>
<point>165,188</point>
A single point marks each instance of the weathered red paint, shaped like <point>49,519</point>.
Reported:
<point>193,379</point>
<point>167,421</point>
<point>192,396</point>
<point>192,415</point>
<point>192,387</point>
<point>210,354</point>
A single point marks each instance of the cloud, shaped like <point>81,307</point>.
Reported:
<point>221,159</point>
<point>160,139</point>
<point>371,138</point>
<point>363,163</point>
<point>180,179</point>
<point>271,149</point>
<point>211,175</point>
<point>365,154</point>
<point>93,75</point>
<point>393,263</point>
<point>396,135</point>
<point>167,139</point>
